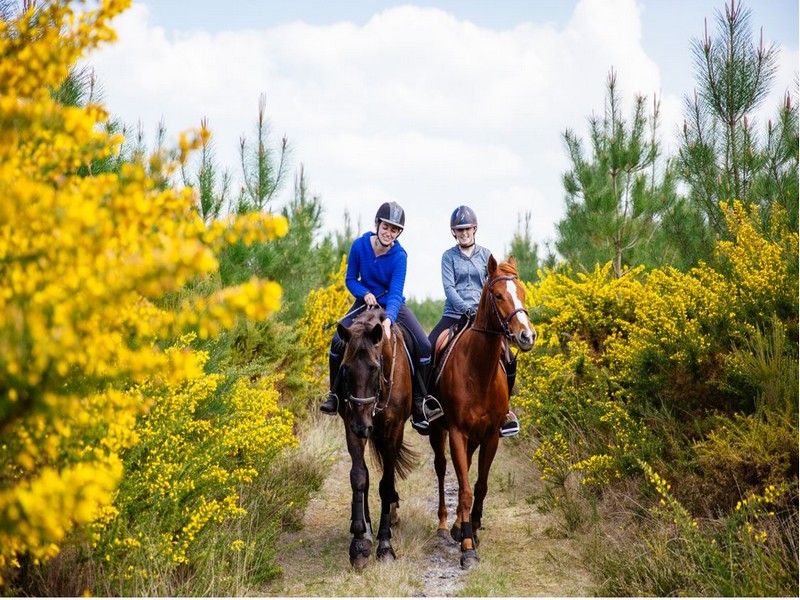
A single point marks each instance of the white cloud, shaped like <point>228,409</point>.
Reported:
<point>414,106</point>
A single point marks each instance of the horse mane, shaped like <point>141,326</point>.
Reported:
<point>359,338</point>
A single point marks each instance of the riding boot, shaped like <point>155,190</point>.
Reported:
<point>331,404</point>
<point>425,408</point>
<point>511,425</point>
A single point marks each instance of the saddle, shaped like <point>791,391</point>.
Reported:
<point>410,346</point>
<point>446,340</point>
<point>444,344</point>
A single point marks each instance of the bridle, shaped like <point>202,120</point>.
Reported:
<point>378,406</point>
<point>504,330</point>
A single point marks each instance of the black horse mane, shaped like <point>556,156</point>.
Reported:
<point>359,334</point>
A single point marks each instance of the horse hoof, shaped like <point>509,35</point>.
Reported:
<point>359,553</point>
<point>385,552</point>
<point>359,562</point>
<point>442,533</point>
<point>455,533</point>
<point>469,559</point>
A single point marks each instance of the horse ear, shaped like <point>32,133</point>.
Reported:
<point>491,265</point>
<point>376,334</point>
<point>512,261</point>
<point>343,332</point>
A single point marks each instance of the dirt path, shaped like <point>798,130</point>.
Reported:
<point>520,556</point>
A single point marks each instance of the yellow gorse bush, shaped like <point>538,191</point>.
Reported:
<point>760,264</point>
<point>83,261</point>
<point>322,307</point>
<point>614,345</point>
<point>588,306</point>
<point>197,446</point>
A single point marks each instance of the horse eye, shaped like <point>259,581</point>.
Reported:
<point>498,295</point>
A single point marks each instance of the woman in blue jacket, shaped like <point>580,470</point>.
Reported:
<point>463,277</point>
<point>376,275</point>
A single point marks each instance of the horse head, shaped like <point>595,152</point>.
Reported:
<point>505,295</point>
<point>362,364</point>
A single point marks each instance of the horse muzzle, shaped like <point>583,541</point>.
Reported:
<point>525,339</point>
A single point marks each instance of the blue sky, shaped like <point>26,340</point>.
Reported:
<point>431,103</point>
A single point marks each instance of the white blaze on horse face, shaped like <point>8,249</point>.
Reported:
<point>511,288</point>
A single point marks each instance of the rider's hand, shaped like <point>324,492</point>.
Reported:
<point>370,300</point>
<point>470,313</point>
<point>387,328</point>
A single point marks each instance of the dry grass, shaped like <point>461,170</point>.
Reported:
<point>517,556</point>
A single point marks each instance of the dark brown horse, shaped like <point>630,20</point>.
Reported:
<point>473,391</point>
<point>377,402</point>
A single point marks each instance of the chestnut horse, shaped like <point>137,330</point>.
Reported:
<point>377,401</point>
<point>473,391</point>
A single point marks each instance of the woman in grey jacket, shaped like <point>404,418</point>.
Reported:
<point>463,277</point>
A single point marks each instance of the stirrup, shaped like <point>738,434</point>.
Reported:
<point>422,426</point>
<point>511,426</point>
<point>431,408</point>
<point>331,404</point>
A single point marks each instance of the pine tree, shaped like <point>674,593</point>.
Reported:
<point>613,199</point>
<point>213,192</point>
<point>722,156</point>
<point>262,170</point>
<point>525,250</point>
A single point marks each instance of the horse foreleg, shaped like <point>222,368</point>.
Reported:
<point>485,459</point>
<point>389,499</point>
<point>360,522</point>
<point>459,456</point>
<point>438,439</point>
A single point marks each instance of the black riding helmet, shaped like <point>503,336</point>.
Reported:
<point>392,213</point>
<point>463,218</point>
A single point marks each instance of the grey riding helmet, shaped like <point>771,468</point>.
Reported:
<point>463,218</point>
<point>392,213</point>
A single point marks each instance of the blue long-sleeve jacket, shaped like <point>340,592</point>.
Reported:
<point>367,272</point>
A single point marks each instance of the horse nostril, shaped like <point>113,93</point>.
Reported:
<point>527,337</point>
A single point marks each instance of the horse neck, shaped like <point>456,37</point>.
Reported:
<point>487,338</point>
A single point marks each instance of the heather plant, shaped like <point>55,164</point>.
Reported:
<point>86,259</point>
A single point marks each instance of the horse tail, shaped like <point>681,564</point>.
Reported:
<point>405,457</point>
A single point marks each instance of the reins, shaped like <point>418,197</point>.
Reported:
<point>379,388</point>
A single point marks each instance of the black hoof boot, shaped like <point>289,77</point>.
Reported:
<point>469,559</point>
<point>360,550</point>
<point>385,552</point>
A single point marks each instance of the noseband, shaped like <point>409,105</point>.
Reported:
<point>378,407</point>
<point>504,330</point>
